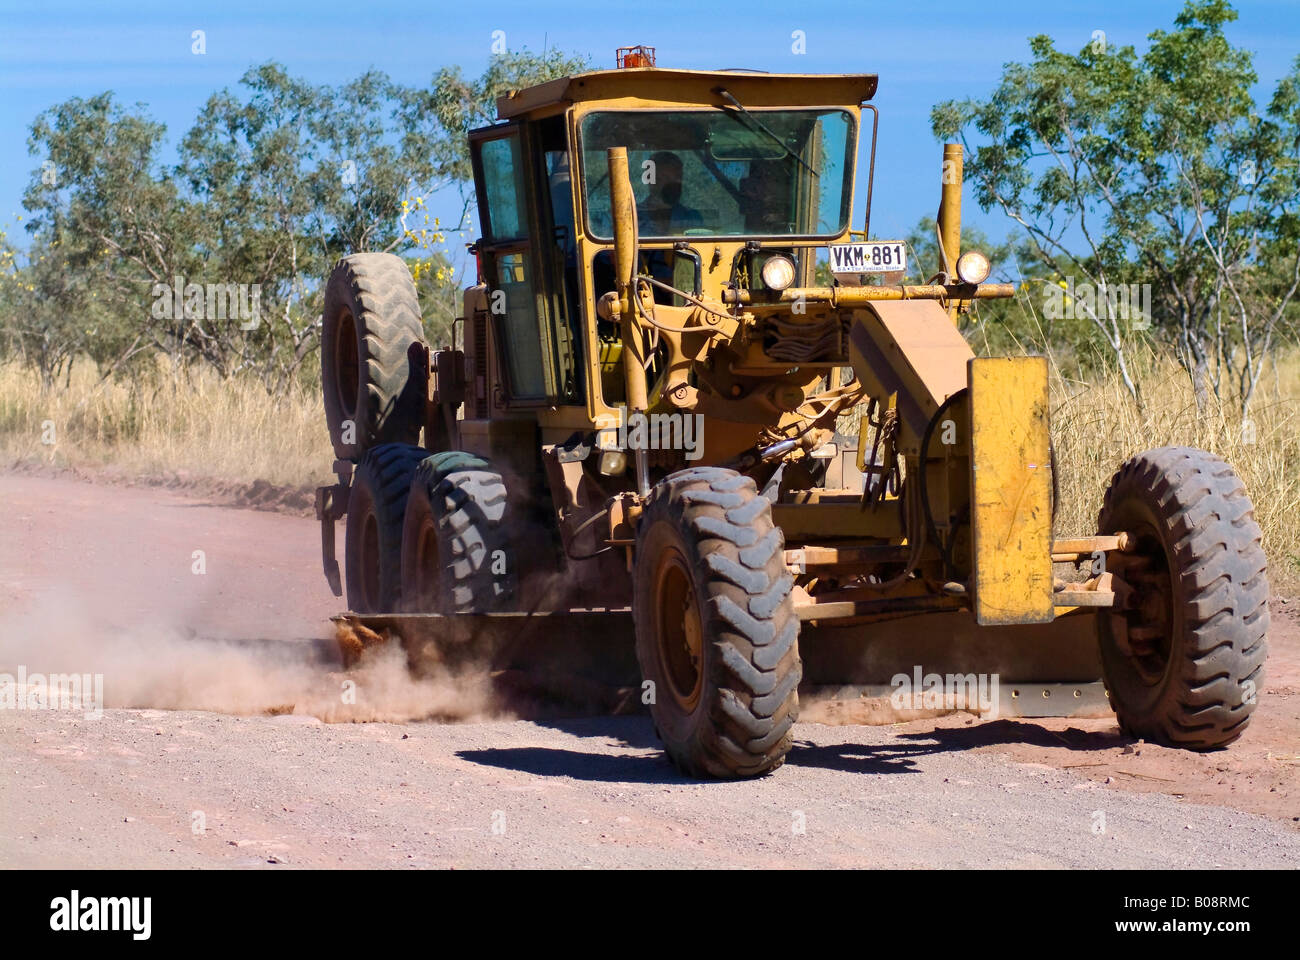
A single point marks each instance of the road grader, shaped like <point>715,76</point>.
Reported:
<point>689,400</point>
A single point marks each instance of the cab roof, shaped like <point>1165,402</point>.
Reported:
<point>752,88</point>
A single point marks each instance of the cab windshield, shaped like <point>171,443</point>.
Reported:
<point>724,173</point>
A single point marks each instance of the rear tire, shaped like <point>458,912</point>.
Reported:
<point>370,319</point>
<point>373,542</point>
<point>1184,659</point>
<point>716,631</point>
<point>456,554</point>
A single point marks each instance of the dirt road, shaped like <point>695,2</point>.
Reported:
<point>191,766</point>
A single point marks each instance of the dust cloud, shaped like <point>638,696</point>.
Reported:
<point>164,666</point>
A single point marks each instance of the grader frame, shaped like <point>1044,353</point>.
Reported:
<point>590,313</point>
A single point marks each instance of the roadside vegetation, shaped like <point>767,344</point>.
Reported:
<point>164,317</point>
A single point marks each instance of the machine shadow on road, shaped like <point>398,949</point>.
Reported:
<point>1007,731</point>
<point>654,768</point>
<point>898,755</point>
<point>621,732</point>
<point>859,757</point>
<point>579,765</point>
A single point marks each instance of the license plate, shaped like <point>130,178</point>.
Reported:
<point>876,256</point>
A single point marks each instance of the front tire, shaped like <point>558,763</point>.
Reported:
<point>716,630</point>
<point>1183,660</point>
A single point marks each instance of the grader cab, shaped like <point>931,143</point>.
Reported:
<point>690,396</point>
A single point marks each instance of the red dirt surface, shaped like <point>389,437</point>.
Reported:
<point>125,555</point>
<point>1260,773</point>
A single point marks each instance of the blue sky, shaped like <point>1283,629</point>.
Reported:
<point>924,52</point>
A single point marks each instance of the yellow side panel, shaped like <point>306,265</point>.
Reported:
<point>1011,490</point>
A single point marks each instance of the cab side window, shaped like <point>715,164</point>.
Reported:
<point>514,302</point>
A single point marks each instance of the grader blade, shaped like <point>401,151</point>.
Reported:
<point>579,663</point>
<point>1040,670</point>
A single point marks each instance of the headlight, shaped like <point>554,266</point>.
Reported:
<point>973,267</point>
<point>778,272</point>
<point>613,463</point>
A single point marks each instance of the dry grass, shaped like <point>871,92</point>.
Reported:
<point>1096,426</point>
<point>193,424</point>
<point>235,431</point>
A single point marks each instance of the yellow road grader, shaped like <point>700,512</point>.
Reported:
<point>689,400</point>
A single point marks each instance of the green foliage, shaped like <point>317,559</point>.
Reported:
<point>276,180</point>
<point>440,288</point>
<point>1154,169</point>
<point>437,119</point>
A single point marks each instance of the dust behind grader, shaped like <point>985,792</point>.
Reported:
<point>659,416</point>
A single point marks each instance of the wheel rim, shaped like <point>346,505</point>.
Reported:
<point>370,561</point>
<point>679,630</point>
<point>346,372</point>
<point>427,566</point>
<point>1150,624</point>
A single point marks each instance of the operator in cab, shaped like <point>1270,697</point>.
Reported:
<point>662,214</point>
